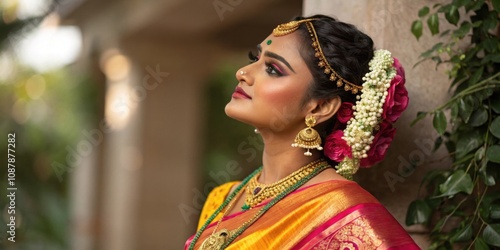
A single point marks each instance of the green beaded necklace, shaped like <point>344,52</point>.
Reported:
<point>222,206</point>
<point>261,212</point>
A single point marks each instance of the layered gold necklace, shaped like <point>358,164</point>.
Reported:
<point>257,192</point>
<point>220,239</point>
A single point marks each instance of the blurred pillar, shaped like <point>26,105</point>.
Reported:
<point>123,151</point>
<point>83,186</point>
<point>395,181</point>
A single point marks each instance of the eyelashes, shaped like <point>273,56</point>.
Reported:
<point>271,68</point>
<point>253,58</point>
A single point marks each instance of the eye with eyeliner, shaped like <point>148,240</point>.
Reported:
<point>271,68</point>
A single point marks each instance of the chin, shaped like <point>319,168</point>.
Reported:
<point>233,112</point>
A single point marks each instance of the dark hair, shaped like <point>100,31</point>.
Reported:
<point>348,51</point>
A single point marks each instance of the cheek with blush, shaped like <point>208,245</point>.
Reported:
<point>284,103</point>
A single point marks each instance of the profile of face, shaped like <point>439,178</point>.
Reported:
<point>271,89</point>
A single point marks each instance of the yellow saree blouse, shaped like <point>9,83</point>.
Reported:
<point>330,215</point>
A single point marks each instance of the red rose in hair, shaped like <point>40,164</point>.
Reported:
<point>336,148</point>
<point>380,144</point>
<point>345,112</point>
<point>397,95</point>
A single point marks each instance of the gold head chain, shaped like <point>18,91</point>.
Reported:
<point>290,27</point>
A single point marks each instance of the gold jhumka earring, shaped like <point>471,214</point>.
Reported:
<point>308,138</point>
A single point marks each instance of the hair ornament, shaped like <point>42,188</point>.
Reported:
<point>290,27</point>
<point>368,128</point>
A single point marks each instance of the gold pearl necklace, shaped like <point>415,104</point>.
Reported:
<point>257,192</point>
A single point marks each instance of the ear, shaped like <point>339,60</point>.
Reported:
<point>323,110</point>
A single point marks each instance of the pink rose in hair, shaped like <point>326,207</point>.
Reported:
<point>397,95</point>
<point>381,142</point>
<point>345,112</point>
<point>336,148</point>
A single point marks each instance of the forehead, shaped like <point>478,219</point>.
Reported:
<point>287,45</point>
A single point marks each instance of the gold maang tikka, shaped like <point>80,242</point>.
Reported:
<point>290,27</point>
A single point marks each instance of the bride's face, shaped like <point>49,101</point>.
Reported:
<point>272,88</point>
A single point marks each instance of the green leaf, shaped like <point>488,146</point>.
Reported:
<point>476,76</point>
<point>467,142</point>
<point>479,244</point>
<point>491,58</point>
<point>437,143</point>
<point>495,127</point>
<point>475,5</point>
<point>419,212</point>
<point>495,211</point>
<point>490,44</point>
<point>460,3</point>
<point>463,30</point>
<point>488,179</point>
<point>456,183</point>
<point>477,23</point>
<point>480,153</point>
<point>478,117</point>
<point>439,122</point>
<point>433,23</point>
<point>493,153</point>
<point>423,11</point>
<point>490,22</point>
<point>483,94</point>
<point>436,59</point>
<point>416,28</point>
<point>496,5</point>
<point>495,104</point>
<point>452,16</point>
<point>462,234</point>
<point>491,235</point>
<point>465,108</point>
<point>491,197</point>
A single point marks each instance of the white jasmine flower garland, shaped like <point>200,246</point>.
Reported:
<point>359,133</point>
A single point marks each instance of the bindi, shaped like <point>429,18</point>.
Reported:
<point>269,42</point>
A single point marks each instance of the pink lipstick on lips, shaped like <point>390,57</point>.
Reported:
<point>240,93</point>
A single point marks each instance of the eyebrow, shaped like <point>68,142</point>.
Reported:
<point>275,56</point>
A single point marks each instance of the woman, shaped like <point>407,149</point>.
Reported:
<point>325,73</point>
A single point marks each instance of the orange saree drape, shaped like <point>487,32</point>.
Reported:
<point>329,215</point>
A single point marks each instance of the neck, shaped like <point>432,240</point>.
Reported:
<point>280,159</point>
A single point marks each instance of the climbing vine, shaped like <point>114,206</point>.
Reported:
<point>460,203</point>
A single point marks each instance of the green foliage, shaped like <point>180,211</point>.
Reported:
<point>47,112</point>
<point>462,203</point>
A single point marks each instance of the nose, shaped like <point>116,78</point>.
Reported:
<point>243,75</point>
